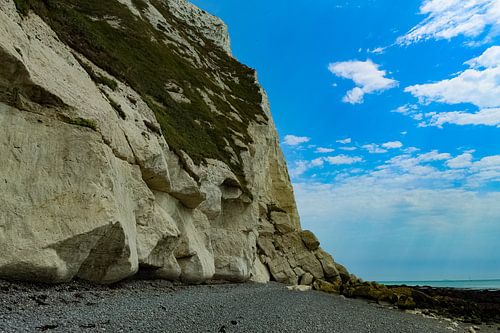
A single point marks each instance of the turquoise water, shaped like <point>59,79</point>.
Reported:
<point>462,284</point>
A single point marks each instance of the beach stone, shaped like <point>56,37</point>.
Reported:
<point>301,288</point>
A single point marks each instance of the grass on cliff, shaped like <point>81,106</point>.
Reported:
<point>136,53</point>
<point>98,78</point>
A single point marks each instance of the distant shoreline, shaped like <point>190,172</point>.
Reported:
<point>491,284</point>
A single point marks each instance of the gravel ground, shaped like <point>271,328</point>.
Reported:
<point>160,306</point>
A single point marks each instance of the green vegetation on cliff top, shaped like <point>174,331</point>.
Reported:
<point>141,55</point>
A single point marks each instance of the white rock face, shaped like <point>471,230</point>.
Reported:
<point>210,26</point>
<point>66,212</point>
<point>87,193</point>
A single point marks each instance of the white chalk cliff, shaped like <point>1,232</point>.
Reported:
<point>105,173</point>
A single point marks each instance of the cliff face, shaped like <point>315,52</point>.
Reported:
<point>132,141</point>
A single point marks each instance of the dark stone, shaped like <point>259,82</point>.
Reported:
<point>47,327</point>
<point>88,326</point>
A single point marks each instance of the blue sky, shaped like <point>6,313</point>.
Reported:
<point>389,117</point>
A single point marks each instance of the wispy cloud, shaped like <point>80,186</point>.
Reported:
<point>392,144</point>
<point>366,75</point>
<point>302,166</point>
<point>410,110</point>
<point>363,222</point>
<point>323,150</point>
<point>348,148</point>
<point>345,141</point>
<point>377,50</point>
<point>373,148</point>
<point>486,117</point>
<point>343,160</point>
<point>461,161</point>
<point>292,140</point>
<point>298,168</point>
<point>447,19</point>
<point>490,58</point>
<point>414,203</point>
<point>409,186</point>
<point>479,85</point>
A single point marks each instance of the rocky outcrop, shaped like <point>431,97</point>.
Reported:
<point>110,167</point>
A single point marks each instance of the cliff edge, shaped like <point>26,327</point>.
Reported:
<point>133,142</point>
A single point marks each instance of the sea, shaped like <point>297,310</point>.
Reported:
<point>460,284</point>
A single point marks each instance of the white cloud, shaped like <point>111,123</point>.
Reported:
<point>490,58</point>
<point>411,208</point>
<point>489,162</point>
<point>366,75</point>
<point>348,148</point>
<point>411,150</point>
<point>433,169</point>
<point>418,186</point>
<point>434,209</point>
<point>392,145</point>
<point>362,222</point>
<point>377,50</point>
<point>373,148</point>
<point>447,19</point>
<point>354,96</point>
<point>345,141</point>
<point>292,140</point>
<point>479,85</point>
<point>317,162</point>
<point>461,161</point>
<point>486,117</point>
<point>410,110</point>
<point>322,150</point>
<point>299,168</point>
<point>433,156</point>
<point>485,170</point>
<point>343,160</point>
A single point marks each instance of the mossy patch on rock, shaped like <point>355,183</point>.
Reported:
<point>372,291</point>
<point>406,303</point>
<point>88,123</point>
<point>327,287</point>
<point>97,78</point>
<point>22,7</point>
<point>144,57</point>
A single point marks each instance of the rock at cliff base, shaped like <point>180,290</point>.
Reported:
<point>327,287</point>
<point>310,240</point>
